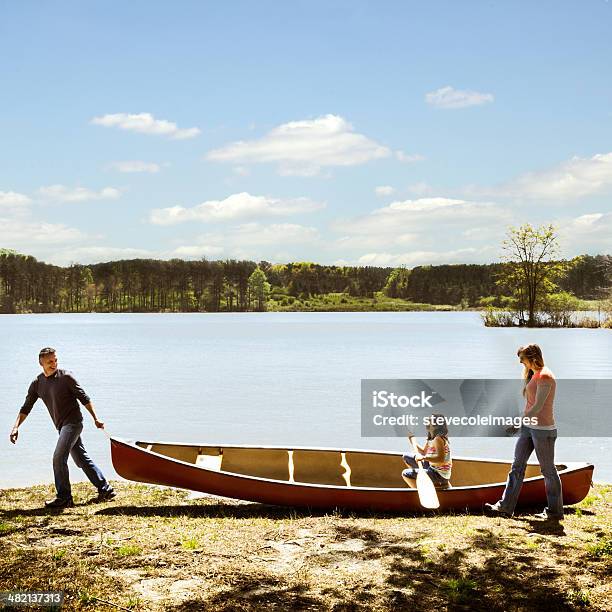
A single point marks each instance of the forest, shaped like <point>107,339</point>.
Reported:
<point>147,285</point>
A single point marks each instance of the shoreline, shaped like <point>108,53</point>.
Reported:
<point>14,488</point>
<point>590,320</point>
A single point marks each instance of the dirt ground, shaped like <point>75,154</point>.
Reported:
<point>156,548</point>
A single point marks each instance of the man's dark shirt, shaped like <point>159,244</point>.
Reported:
<point>60,392</point>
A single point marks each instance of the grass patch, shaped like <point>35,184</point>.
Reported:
<point>190,544</point>
<point>532,543</point>
<point>588,501</point>
<point>128,550</point>
<point>602,548</point>
<point>87,598</point>
<point>155,550</point>
<point>460,590</point>
<point>579,598</point>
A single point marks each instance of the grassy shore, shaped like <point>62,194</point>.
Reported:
<point>158,549</point>
<point>343,302</point>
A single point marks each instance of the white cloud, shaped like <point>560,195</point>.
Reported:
<point>132,166</point>
<point>415,258</point>
<point>399,215</point>
<point>11,199</point>
<point>202,250</point>
<point>572,179</point>
<point>256,234</point>
<point>448,97</point>
<point>145,123</point>
<point>384,190</point>
<point>589,233</point>
<point>61,193</point>
<point>439,231</point>
<point>406,158</point>
<point>249,241</point>
<point>425,205</point>
<point>304,147</point>
<point>589,221</point>
<point>359,242</point>
<point>422,222</point>
<point>97,254</point>
<point>235,206</point>
<point>25,234</point>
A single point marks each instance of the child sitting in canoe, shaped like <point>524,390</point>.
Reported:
<point>435,455</point>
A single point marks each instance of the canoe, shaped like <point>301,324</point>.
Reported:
<point>328,478</point>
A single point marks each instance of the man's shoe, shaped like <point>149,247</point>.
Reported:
<point>496,510</point>
<point>59,503</point>
<point>104,496</point>
<point>547,516</point>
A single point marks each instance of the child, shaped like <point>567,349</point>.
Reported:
<point>435,455</point>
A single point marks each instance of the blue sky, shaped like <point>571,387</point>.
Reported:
<point>384,133</point>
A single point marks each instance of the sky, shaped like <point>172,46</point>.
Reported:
<point>349,132</point>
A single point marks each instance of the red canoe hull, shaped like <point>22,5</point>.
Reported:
<point>137,464</point>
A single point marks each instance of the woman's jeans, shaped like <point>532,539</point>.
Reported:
<point>69,443</point>
<point>543,442</point>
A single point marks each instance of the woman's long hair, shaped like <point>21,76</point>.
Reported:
<point>534,353</point>
<point>438,429</point>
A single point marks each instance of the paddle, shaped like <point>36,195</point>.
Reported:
<point>425,487</point>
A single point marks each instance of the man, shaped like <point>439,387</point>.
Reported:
<point>60,391</point>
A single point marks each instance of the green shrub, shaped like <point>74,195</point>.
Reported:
<point>602,548</point>
<point>190,543</point>
<point>589,323</point>
<point>460,590</point>
<point>128,550</point>
<point>578,597</point>
<point>559,308</point>
<point>498,318</point>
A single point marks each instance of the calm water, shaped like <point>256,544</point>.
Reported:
<point>270,378</point>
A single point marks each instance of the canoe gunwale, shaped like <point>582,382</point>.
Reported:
<point>570,467</point>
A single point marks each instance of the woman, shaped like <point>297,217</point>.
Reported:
<point>539,393</point>
<point>435,455</point>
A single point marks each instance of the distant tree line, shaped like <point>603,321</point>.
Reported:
<point>146,285</point>
<point>587,277</point>
<point>306,279</point>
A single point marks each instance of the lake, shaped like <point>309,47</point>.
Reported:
<point>290,379</point>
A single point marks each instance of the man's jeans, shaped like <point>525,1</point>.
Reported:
<point>69,443</point>
<point>544,444</point>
